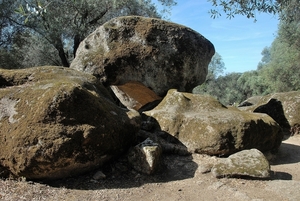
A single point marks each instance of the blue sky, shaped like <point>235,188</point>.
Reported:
<point>239,41</point>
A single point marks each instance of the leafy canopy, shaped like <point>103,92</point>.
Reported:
<point>287,9</point>
<point>64,24</point>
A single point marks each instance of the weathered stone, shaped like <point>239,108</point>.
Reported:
<point>284,108</point>
<point>168,143</point>
<point>250,163</point>
<point>206,126</point>
<point>99,175</point>
<point>57,122</point>
<point>145,157</point>
<point>135,95</point>
<point>157,53</point>
<point>250,101</point>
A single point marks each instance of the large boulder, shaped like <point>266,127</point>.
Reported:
<point>157,53</point>
<point>283,107</point>
<point>57,122</point>
<point>205,126</point>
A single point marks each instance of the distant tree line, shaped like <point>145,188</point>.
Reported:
<point>278,70</point>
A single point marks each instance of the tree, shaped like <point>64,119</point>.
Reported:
<point>289,33</point>
<point>251,83</point>
<point>6,29</point>
<point>216,67</point>
<point>62,23</point>
<point>266,58</point>
<point>225,88</point>
<point>282,72</point>
<point>287,9</point>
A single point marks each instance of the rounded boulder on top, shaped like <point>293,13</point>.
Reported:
<point>160,54</point>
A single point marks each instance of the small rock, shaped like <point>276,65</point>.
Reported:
<point>99,175</point>
<point>205,168</point>
<point>250,163</point>
<point>145,157</point>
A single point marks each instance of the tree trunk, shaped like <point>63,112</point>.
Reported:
<point>63,58</point>
<point>61,52</point>
<point>77,40</point>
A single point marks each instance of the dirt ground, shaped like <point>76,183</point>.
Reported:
<point>181,179</point>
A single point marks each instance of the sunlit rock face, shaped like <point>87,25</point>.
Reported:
<point>206,126</point>
<point>160,54</point>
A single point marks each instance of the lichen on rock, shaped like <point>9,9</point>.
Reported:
<point>157,53</point>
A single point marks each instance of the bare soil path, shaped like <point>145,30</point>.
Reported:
<point>182,179</point>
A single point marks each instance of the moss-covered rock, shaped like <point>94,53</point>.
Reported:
<point>146,157</point>
<point>250,163</point>
<point>206,126</point>
<point>283,107</point>
<point>57,122</point>
<point>160,54</point>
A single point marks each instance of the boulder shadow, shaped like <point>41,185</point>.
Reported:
<point>276,175</point>
<point>287,154</point>
<point>119,175</point>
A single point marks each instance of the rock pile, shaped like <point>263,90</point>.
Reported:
<point>57,122</point>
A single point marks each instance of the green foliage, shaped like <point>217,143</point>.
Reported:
<point>251,83</point>
<point>278,70</point>
<point>62,25</point>
<point>287,9</point>
<point>215,68</point>
<point>223,87</point>
<point>266,58</point>
<point>282,72</point>
<point>8,60</point>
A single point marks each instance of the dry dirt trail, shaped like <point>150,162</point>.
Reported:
<point>181,180</point>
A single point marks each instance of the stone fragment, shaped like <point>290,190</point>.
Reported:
<point>250,163</point>
<point>99,175</point>
<point>135,95</point>
<point>145,157</point>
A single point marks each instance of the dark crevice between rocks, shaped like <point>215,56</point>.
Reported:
<point>13,80</point>
<point>5,83</point>
<point>150,128</point>
<point>275,110</point>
